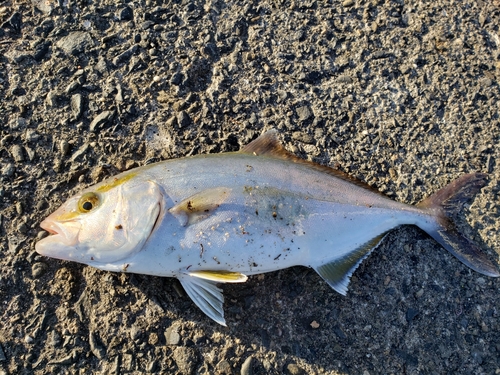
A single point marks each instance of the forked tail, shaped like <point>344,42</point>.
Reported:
<point>444,205</point>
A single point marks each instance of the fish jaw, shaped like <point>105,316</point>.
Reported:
<point>67,233</point>
<point>62,241</point>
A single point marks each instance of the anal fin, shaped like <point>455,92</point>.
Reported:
<point>338,272</point>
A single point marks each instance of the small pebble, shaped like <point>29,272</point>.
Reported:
<point>81,151</point>
<point>17,153</point>
<point>135,332</point>
<point>129,164</point>
<point>41,205</point>
<point>183,119</point>
<point>151,366</point>
<point>314,324</point>
<point>30,152</point>
<point>95,346</point>
<point>387,280</point>
<point>153,338</point>
<point>172,335</point>
<point>485,82</point>
<point>224,367</point>
<point>246,367</point>
<point>13,243</point>
<point>18,123</point>
<point>38,269</point>
<point>100,120</point>
<point>126,14</point>
<point>392,173</point>
<point>53,339</point>
<point>64,147</point>
<point>186,359</point>
<point>52,99</point>
<point>8,170</point>
<point>22,228</point>
<point>73,86</point>
<point>484,327</point>
<point>76,106</point>
<point>293,369</point>
<point>5,140</point>
<point>32,135</point>
<point>411,313</point>
<point>303,113</point>
<point>345,79</point>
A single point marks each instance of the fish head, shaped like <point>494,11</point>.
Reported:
<point>105,223</point>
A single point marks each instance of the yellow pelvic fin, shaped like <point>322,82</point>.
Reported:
<point>220,276</point>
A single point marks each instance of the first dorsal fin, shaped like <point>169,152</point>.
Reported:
<point>267,144</point>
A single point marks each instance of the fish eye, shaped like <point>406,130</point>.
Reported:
<point>88,202</point>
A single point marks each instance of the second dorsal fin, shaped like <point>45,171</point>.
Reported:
<point>267,144</point>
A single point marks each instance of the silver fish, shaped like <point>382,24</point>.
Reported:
<point>212,219</point>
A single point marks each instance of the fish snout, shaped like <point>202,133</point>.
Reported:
<point>60,234</point>
<point>49,226</point>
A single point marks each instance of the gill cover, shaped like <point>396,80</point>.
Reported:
<point>128,215</point>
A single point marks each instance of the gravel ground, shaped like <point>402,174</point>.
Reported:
<point>401,94</point>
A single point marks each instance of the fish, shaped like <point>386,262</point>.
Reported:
<point>219,218</point>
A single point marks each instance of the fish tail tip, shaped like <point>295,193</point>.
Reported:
<point>444,206</point>
<point>460,191</point>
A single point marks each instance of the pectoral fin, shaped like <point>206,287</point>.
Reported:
<point>338,272</point>
<point>200,205</point>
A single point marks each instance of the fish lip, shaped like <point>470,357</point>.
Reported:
<point>64,234</point>
<point>61,243</point>
<point>51,227</point>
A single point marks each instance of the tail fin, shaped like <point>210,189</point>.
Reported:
<point>444,205</point>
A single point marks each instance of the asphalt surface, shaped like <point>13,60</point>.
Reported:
<point>402,95</point>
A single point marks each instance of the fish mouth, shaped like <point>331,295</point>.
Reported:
<point>61,242</point>
<point>50,226</point>
<point>50,230</point>
<point>64,234</point>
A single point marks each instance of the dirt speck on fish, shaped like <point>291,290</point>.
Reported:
<point>212,219</point>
